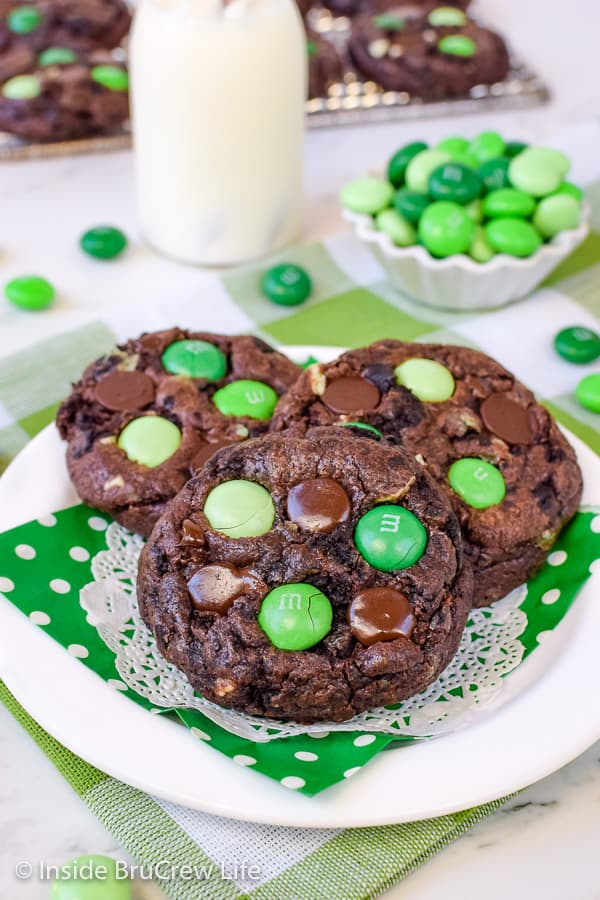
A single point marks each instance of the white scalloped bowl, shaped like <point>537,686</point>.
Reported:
<point>459,283</point>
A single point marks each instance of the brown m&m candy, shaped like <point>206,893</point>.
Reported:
<point>350,394</point>
<point>125,391</point>
<point>507,418</point>
<point>380,614</point>
<point>318,505</point>
<point>214,588</point>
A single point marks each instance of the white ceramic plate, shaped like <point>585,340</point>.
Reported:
<point>550,716</point>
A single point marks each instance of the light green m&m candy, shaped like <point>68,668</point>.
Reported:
<point>112,77</point>
<point>240,509</point>
<point>516,237</point>
<point>588,392</point>
<point>555,158</point>
<point>286,284</point>
<point>481,250</point>
<point>457,45</point>
<point>56,56</point>
<point>246,397</point>
<point>390,537</point>
<point>577,344</point>
<point>197,359</point>
<point>477,482</point>
<point>557,213</point>
<point>419,169</point>
<point>427,379</point>
<point>508,203</point>
<point>295,616</point>
<point>447,17</point>
<point>149,440</point>
<point>445,229</point>
<point>534,173</point>
<point>30,292</point>
<point>24,19</point>
<point>474,210</point>
<point>410,204</point>
<point>22,87</point>
<point>399,162</point>
<point>397,228</point>
<point>487,145</point>
<point>90,877</point>
<point>367,195</point>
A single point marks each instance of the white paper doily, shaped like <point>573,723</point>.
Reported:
<point>490,648</point>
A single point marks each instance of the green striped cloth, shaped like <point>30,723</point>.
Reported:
<point>351,305</point>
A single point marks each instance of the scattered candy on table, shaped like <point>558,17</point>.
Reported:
<point>287,284</point>
<point>30,292</point>
<point>588,392</point>
<point>103,242</point>
<point>578,344</point>
<point>480,197</point>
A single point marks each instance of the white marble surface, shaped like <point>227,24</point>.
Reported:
<point>543,843</point>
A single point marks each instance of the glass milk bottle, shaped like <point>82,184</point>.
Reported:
<point>218,90</point>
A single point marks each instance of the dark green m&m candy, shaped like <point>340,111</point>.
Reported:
<point>246,398</point>
<point>455,182</point>
<point>399,162</point>
<point>578,344</point>
<point>103,242</point>
<point>24,19</point>
<point>197,359</point>
<point>513,148</point>
<point>390,537</point>
<point>30,292</point>
<point>410,204</point>
<point>295,616</point>
<point>286,285</point>
<point>493,173</point>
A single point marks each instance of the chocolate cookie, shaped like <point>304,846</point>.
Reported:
<point>307,578</point>
<point>66,101</point>
<point>511,476</point>
<point>82,25</point>
<point>420,55</point>
<point>352,8</point>
<point>145,417</point>
<point>324,65</point>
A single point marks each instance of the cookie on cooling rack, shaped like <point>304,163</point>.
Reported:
<point>307,579</point>
<point>82,25</point>
<point>143,418</point>
<point>510,474</point>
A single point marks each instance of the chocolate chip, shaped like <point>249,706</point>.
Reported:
<point>507,418</point>
<point>125,391</point>
<point>350,394</point>
<point>380,614</point>
<point>214,588</point>
<point>318,505</point>
<point>381,375</point>
<point>192,534</point>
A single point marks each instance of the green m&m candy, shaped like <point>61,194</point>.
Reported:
<point>535,173</point>
<point>390,537</point>
<point>455,182</point>
<point>577,344</point>
<point>112,77</point>
<point>149,440</point>
<point>367,195</point>
<point>588,392</point>
<point>457,45</point>
<point>398,163</point>
<point>481,250</point>
<point>447,17</point>
<point>22,87</point>
<point>570,189</point>
<point>445,229</point>
<point>419,169</point>
<point>360,426</point>
<point>508,203</point>
<point>487,145</point>
<point>30,292</point>
<point>57,56</point>
<point>286,284</point>
<point>516,237</point>
<point>197,359</point>
<point>557,213</point>
<point>410,204</point>
<point>295,616</point>
<point>474,210</point>
<point>90,877</point>
<point>398,229</point>
<point>513,148</point>
<point>493,173</point>
<point>477,482</point>
<point>24,19</point>
<point>427,379</point>
<point>246,397</point>
<point>240,509</point>
<point>453,145</point>
<point>103,242</point>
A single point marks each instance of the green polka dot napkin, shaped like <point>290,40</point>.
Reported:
<point>351,304</point>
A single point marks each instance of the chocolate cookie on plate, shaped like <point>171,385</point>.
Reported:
<point>428,56</point>
<point>510,474</point>
<point>79,24</point>
<point>143,418</point>
<point>410,8</point>
<point>66,101</point>
<point>324,65</point>
<point>307,578</point>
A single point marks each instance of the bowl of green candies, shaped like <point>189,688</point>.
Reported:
<point>469,224</point>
